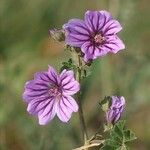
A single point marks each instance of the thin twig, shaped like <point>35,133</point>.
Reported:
<point>90,145</point>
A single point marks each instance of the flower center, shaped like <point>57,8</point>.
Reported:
<point>54,91</point>
<point>98,38</point>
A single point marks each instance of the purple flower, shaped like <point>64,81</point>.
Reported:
<point>95,35</point>
<point>49,94</point>
<point>116,109</point>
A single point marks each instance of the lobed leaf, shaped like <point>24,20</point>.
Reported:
<point>119,137</point>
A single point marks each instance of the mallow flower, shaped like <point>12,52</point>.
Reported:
<point>116,109</point>
<point>50,94</point>
<point>96,35</point>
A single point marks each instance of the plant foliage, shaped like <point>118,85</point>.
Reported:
<point>119,138</point>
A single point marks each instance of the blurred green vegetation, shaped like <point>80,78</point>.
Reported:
<point>25,48</point>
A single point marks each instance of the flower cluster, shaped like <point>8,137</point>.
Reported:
<point>96,35</point>
<point>116,109</point>
<point>49,94</point>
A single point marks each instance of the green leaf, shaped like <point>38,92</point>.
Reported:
<point>112,142</point>
<point>121,124</point>
<point>69,65</point>
<point>108,147</point>
<point>129,136</point>
<point>119,130</point>
<point>119,137</point>
<point>123,147</point>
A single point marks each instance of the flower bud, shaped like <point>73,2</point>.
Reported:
<point>116,109</point>
<point>58,35</point>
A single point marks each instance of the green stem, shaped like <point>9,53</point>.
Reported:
<point>81,116</point>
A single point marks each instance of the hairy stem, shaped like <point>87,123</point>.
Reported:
<point>81,116</point>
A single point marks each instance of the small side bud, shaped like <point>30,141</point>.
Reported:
<point>58,35</point>
<point>116,109</point>
<point>113,107</point>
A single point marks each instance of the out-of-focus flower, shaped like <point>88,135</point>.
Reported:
<point>96,35</point>
<point>116,109</point>
<point>49,94</point>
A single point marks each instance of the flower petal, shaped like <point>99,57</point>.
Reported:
<point>66,76</point>
<point>122,100</point>
<point>116,117</point>
<point>110,115</point>
<point>48,113</point>
<point>52,74</point>
<point>77,32</point>
<point>106,15</point>
<point>65,107</point>
<point>36,85</point>
<point>69,85</point>
<point>29,95</point>
<point>71,88</point>
<point>111,27</point>
<point>70,40</point>
<point>76,26</point>
<point>100,51</point>
<point>92,20</point>
<point>38,104</point>
<point>114,44</point>
<point>41,76</point>
<point>88,49</point>
<point>70,103</point>
<point>117,102</point>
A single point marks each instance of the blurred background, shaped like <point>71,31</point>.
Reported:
<point>25,48</point>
